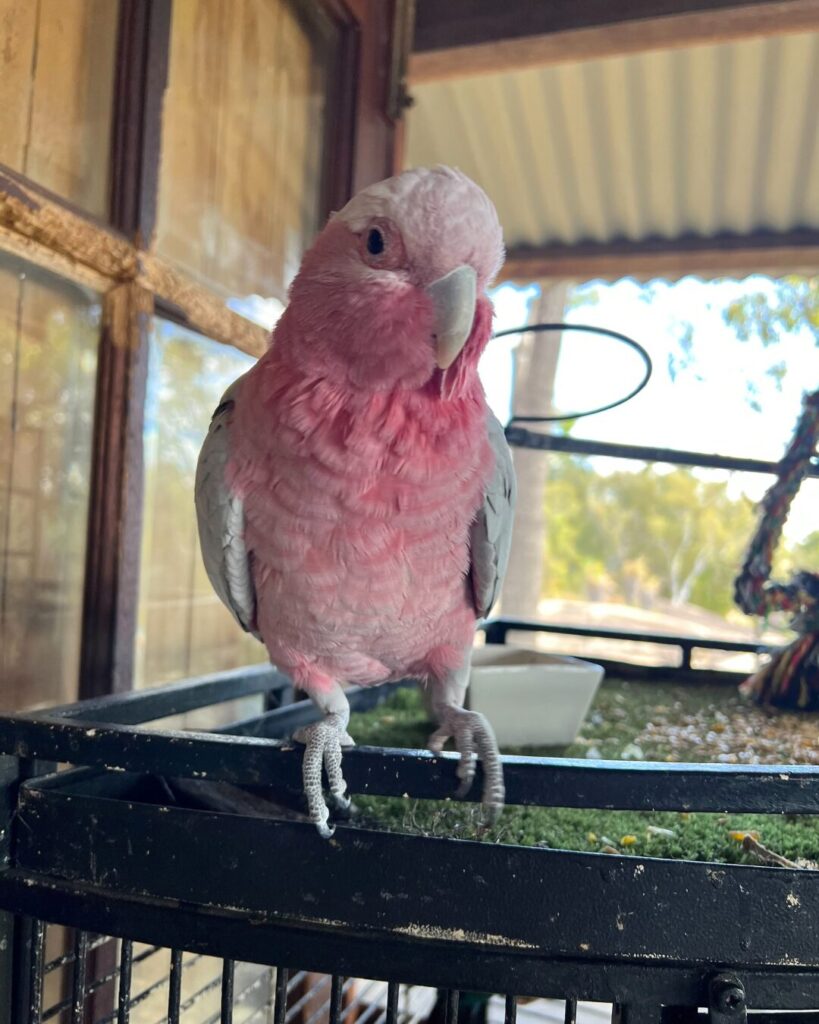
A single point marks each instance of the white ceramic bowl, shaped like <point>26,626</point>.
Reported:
<point>532,698</point>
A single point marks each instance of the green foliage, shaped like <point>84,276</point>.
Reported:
<point>641,534</point>
<point>805,554</point>
<point>794,305</point>
<point>789,305</point>
<point>583,295</point>
<point>188,376</point>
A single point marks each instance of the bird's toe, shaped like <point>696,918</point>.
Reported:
<point>475,742</point>
<point>322,750</point>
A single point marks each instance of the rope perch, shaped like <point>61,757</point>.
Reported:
<point>791,678</point>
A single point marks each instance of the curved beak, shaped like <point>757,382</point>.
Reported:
<point>453,299</point>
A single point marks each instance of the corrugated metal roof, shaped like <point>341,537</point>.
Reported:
<point>703,140</point>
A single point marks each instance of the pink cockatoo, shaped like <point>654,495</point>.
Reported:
<point>354,492</point>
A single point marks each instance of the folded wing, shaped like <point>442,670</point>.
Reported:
<point>221,520</point>
<point>491,535</point>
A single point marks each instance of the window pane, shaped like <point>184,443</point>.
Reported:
<point>48,353</point>
<point>56,94</point>
<point>242,139</point>
<point>184,630</point>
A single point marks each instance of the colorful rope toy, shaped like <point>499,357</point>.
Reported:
<point>791,678</point>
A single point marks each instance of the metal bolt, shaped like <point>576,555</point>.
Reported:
<point>727,999</point>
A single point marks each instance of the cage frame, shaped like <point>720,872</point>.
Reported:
<point>695,920</point>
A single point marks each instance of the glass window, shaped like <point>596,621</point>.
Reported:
<point>243,126</point>
<point>56,95</point>
<point>49,332</point>
<point>184,630</point>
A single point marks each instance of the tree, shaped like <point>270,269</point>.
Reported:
<point>639,535</point>
<point>805,554</point>
<point>794,305</point>
<point>535,368</point>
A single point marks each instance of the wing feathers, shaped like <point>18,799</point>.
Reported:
<point>491,534</point>
<point>220,516</point>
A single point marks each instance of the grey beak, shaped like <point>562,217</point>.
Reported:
<point>453,299</point>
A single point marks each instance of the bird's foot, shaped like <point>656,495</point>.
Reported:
<point>323,742</point>
<point>473,735</point>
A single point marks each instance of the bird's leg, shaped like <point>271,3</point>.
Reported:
<point>472,735</point>
<point>323,742</point>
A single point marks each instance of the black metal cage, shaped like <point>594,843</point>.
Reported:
<point>153,851</point>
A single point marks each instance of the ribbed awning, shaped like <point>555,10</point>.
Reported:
<point>699,159</point>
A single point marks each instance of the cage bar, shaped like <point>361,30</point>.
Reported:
<point>393,991</point>
<point>336,992</point>
<point>38,930</point>
<point>510,1013</point>
<point>175,986</point>
<point>280,1004</point>
<point>451,999</point>
<point>126,960</point>
<point>228,977</point>
<point>79,977</point>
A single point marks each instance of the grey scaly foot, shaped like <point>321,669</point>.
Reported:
<point>323,742</point>
<point>473,734</point>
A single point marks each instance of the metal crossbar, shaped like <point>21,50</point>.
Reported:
<point>522,437</point>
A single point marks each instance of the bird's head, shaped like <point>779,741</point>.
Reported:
<point>393,292</point>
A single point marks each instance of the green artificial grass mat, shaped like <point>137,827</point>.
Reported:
<point>655,721</point>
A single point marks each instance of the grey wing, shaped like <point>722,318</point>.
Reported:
<point>491,534</point>
<point>220,515</point>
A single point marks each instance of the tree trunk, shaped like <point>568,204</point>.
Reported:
<point>535,369</point>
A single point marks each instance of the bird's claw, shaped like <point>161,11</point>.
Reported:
<point>323,742</point>
<point>474,739</point>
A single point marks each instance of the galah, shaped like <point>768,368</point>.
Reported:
<point>354,492</point>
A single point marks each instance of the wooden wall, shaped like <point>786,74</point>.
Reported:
<point>56,96</point>
<point>240,177</point>
<point>48,339</point>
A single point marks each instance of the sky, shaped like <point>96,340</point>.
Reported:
<point>704,408</point>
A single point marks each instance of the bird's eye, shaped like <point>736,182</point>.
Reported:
<point>375,242</point>
<point>379,244</point>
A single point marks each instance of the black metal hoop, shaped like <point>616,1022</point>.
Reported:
<point>587,329</point>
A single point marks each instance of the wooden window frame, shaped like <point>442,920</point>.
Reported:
<point>114,259</point>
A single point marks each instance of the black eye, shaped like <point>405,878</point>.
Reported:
<point>375,242</point>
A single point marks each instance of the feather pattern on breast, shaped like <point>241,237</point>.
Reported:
<point>358,513</point>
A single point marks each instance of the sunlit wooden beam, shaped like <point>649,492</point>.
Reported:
<point>470,37</point>
<point>41,228</point>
